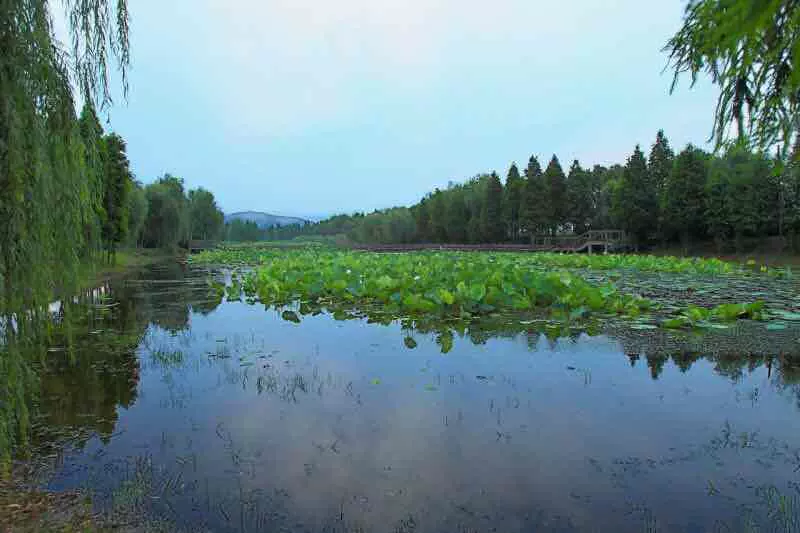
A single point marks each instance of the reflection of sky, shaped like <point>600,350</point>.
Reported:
<point>571,432</point>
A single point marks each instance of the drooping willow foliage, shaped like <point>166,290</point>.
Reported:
<point>48,170</point>
<point>46,190</point>
<point>750,49</point>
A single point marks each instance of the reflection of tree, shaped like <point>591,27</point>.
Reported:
<point>684,359</point>
<point>170,293</point>
<point>93,369</point>
<point>656,362</point>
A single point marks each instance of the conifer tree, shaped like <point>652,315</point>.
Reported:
<point>512,203</point>
<point>555,193</point>
<point>659,168</point>
<point>636,200</point>
<point>580,195</point>
<point>492,221</point>
<point>533,213</point>
<point>117,185</point>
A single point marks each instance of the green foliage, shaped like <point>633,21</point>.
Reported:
<point>534,208</point>
<point>580,197</point>
<point>167,223</point>
<point>116,189</point>
<point>463,286</point>
<point>205,218</point>
<point>454,284</point>
<point>742,197</point>
<point>492,214</point>
<point>137,213</point>
<point>555,195</point>
<point>259,254</point>
<point>659,168</point>
<point>749,48</point>
<point>637,201</point>
<point>683,201</point>
<point>513,202</point>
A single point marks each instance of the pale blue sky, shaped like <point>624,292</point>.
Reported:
<point>315,106</point>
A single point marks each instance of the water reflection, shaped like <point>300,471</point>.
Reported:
<point>229,417</point>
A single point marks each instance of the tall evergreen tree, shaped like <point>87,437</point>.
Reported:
<point>637,202</point>
<point>659,169</point>
<point>118,182</point>
<point>555,193</point>
<point>513,201</point>
<point>534,207</point>
<point>492,220</point>
<point>580,197</point>
<point>683,198</point>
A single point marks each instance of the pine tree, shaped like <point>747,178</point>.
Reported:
<point>534,201</point>
<point>555,193</point>
<point>512,203</point>
<point>492,220</point>
<point>659,168</point>
<point>637,202</point>
<point>581,197</point>
<point>683,197</point>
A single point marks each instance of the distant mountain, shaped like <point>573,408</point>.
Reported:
<point>265,220</point>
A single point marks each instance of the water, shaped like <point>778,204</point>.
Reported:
<point>223,416</point>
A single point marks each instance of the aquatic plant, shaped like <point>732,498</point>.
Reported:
<point>262,253</point>
<point>443,284</point>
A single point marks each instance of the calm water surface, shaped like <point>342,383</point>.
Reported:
<point>225,417</point>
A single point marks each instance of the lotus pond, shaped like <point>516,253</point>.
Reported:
<point>321,390</point>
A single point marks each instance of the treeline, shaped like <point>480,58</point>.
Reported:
<point>660,198</point>
<point>162,214</point>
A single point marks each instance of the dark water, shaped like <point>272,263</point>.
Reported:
<point>222,416</point>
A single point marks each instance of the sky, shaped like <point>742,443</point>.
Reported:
<point>315,107</point>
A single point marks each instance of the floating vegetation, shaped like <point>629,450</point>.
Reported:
<point>259,255</point>
<point>464,286</point>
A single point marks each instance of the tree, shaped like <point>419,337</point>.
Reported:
<point>555,193</point>
<point>438,213</point>
<point>423,220</point>
<point>46,215</point>
<point>206,219</point>
<point>580,198</point>
<point>512,203</point>
<point>749,48</point>
<point>117,184</point>
<point>534,209</point>
<point>659,169</point>
<point>95,168</point>
<point>636,199</point>
<point>137,213</point>
<point>167,223</point>
<point>456,215</point>
<point>741,197</point>
<point>238,230</point>
<point>683,200</point>
<point>492,215</point>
